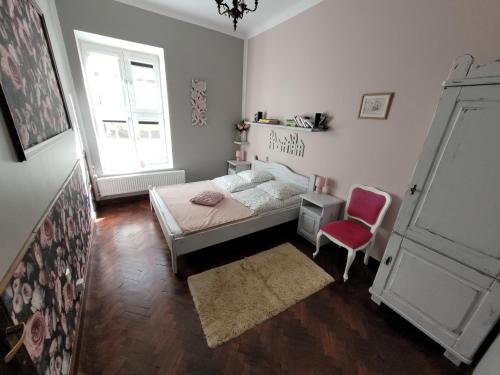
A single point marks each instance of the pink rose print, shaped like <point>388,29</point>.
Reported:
<point>69,296</point>
<point>38,254</point>
<point>17,303</point>
<point>23,31</point>
<point>69,342</point>
<point>64,323</point>
<point>53,348</point>
<point>26,292</point>
<point>58,290</point>
<point>10,7</point>
<point>16,286</point>
<point>47,233</point>
<point>35,328</point>
<point>58,364</point>
<point>70,224</point>
<point>52,279</point>
<point>20,270</point>
<point>9,68</point>
<point>3,31</point>
<point>48,323</point>
<point>42,278</point>
<point>37,301</point>
<point>24,135</point>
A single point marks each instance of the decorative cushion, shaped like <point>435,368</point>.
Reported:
<point>279,190</point>
<point>207,198</point>
<point>365,205</point>
<point>348,232</point>
<point>256,176</point>
<point>232,183</point>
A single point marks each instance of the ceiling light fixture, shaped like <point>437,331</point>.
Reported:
<point>238,10</point>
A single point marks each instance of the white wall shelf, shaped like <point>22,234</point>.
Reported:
<point>290,128</point>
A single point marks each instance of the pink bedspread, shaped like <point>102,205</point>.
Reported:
<point>193,217</point>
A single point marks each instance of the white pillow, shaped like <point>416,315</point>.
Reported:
<point>279,190</point>
<point>232,183</point>
<point>256,176</point>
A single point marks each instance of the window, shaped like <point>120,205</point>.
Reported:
<point>127,97</point>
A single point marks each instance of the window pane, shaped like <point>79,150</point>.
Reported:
<point>115,129</point>
<point>146,92</point>
<point>151,147</point>
<point>105,80</point>
<point>117,148</point>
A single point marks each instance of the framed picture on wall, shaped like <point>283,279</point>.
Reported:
<point>376,106</point>
<point>31,95</point>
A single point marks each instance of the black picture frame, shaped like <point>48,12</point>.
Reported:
<point>45,86</point>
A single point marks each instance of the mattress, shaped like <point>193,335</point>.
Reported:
<point>190,217</point>
<point>260,202</point>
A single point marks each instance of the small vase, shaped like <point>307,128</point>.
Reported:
<point>243,136</point>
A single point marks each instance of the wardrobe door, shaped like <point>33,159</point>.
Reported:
<point>453,205</point>
<point>437,294</point>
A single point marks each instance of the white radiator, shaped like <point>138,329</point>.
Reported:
<point>137,183</point>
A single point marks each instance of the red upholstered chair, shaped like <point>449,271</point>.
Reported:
<point>365,210</point>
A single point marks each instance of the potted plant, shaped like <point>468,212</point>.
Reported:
<point>242,128</point>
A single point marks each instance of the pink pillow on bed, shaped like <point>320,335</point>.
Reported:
<point>207,198</point>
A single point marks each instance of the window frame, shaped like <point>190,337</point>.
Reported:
<point>128,52</point>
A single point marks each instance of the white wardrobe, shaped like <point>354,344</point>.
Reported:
<point>441,267</point>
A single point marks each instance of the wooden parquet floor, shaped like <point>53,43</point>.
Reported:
<point>140,318</point>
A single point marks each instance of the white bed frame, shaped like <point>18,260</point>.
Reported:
<point>180,244</point>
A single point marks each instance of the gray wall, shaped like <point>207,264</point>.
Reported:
<point>27,188</point>
<point>190,52</point>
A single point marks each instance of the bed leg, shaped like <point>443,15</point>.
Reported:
<point>174,263</point>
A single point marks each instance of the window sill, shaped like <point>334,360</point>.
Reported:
<point>163,168</point>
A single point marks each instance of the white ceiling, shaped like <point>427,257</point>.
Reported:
<point>204,13</point>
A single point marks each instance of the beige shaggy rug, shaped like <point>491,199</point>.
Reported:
<point>236,297</point>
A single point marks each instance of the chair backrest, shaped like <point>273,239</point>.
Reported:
<point>368,205</point>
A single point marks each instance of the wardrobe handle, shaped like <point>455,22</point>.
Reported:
<point>388,261</point>
<point>15,347</point>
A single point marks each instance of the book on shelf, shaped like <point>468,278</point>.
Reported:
<point>304,121</point>
<point>269,121</point>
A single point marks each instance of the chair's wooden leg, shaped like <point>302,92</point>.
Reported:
<point>350,258</point>
<point>367,253</point>
<point>318,243</point>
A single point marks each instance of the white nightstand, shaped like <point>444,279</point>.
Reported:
<point>234,166</point>
<point>316,210</point>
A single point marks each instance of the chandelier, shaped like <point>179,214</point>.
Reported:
<point>239,8</point>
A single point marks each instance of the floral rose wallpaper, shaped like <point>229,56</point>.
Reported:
<point>27,75</point>
<point>42,292</point>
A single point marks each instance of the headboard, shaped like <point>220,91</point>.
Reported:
<point>284,174</point>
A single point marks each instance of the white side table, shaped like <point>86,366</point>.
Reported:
<point>315,211</point>
<point>234,166</point>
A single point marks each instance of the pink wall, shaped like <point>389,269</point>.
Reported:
<point>326,57</point>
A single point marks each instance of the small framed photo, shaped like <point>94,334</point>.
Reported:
<point>376,106</point>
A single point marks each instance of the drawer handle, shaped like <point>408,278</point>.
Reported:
<point>17,345</point>
<point>388,261</point>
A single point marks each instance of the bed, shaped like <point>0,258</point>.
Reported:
<point>181,243</point>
